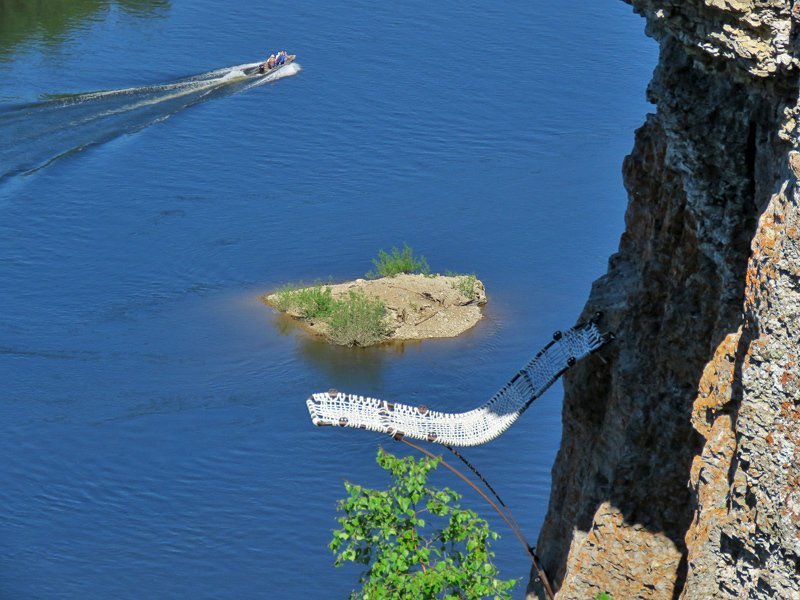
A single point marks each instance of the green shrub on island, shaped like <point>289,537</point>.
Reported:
<point>315,302</point>
<point>352,321</point>
<point>465,285</point>
<point>414,539</point>
<point>399,261</point>
<point>357,321</point>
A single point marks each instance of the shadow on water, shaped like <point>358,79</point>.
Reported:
<point>51,20</point>
<point>64,124</point>
<point>347,369</point>
<point>344,368</point>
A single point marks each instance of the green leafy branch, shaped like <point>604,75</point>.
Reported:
<point>415,540</point>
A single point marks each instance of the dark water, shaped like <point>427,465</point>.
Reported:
<point>155,440</point>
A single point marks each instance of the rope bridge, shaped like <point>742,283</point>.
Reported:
<point>474,427</point>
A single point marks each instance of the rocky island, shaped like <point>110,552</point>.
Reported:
<point>416,307</point>
<point>400,305</point>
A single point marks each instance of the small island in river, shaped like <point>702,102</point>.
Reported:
<point>404,306</point>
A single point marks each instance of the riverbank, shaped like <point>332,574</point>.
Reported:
<point>417,307</point>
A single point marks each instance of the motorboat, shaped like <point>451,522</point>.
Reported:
<point>263,69</point>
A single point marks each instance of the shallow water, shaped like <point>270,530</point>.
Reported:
<point>155,438</point>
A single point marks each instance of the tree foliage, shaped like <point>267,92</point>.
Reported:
<point>415,540</point>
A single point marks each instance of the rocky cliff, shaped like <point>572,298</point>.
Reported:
<point>679,470</point>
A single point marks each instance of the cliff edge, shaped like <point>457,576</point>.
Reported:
<point>678,474</point>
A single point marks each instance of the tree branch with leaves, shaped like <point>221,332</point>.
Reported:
<point>415,540</point>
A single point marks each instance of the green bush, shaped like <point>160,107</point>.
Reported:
<point>281,299</point>
<point>399,261</point>
<point>357,321</point>
<point>415,540</point>
<point>465,285</point>
<point>315,302</point>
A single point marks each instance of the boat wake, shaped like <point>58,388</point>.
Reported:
<point>42,132</point>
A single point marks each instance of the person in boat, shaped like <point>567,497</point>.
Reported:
<point>267,64</point>
<point>280,59</point>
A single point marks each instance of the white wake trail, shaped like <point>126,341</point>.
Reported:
<point>45,131</point>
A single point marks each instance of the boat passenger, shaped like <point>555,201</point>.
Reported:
<point>281,58</point>
<point>267,64</point>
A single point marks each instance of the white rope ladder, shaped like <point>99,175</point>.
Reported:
<point>471,428</point>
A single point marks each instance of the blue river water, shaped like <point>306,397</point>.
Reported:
<point>154,438</point>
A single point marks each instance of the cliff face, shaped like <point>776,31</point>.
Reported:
<point>679,470</point>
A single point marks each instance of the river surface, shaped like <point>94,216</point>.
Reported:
<point>154,438</point>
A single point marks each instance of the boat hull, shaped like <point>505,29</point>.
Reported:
<point>262,69</point>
